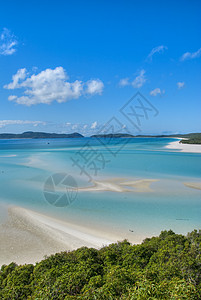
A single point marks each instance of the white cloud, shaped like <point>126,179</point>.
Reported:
<point>8,42</point>
<point>12,97</point>
<point>50,85</point>
<point>85,126</point>
<point>139,80</point>
<point>4,123</point>
<point>159,49</point>
<point>94,125</point>
<point>124,82</point>
<point>19,76</point>
<point>94,87</point>
<point>180,85</point>
<point>189,55</point>
<point>68,124</point>
<point>156,92</point>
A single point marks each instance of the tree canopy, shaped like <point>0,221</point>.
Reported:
<point>164,267</point>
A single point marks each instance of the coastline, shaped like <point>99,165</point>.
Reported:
<point>189,148</point>
<point>28,236</point>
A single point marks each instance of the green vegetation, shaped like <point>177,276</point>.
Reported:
<point>164,267</point>
<point>191,141</point>
<point>189,136</point>
<point>192,138</point>
<point>192,135</point>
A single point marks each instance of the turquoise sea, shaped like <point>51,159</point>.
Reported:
<point>25,165</point>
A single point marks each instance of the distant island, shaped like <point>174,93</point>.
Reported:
<point>39,135</point>
<point>189,138</point>
<point>113,135</point>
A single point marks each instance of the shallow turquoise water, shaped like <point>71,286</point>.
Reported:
<point>26,164</point>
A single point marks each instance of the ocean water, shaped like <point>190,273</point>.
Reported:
<point>25,166</point>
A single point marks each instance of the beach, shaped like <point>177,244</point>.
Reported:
<point>191,148</point>
<point>28,236</point>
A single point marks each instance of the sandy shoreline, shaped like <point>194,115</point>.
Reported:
<point>28,236</point>
<point>191,148</point>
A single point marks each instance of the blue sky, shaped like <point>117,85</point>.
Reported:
<point>70,66</point>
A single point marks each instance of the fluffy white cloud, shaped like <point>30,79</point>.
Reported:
<point>155,50</point>
<point>124,82</point>
<point>19,76</point>
<point>50,85</point>
<point>94,87</point>
<point>156,92</point>
<point>8,42</point>
<point>12,97</point>
<point>189,55</point>
<point>180,85</point>
<point>94,125</point>
<point>4,123</point>
<point>139,80</point>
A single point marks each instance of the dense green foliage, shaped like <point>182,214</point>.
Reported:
<point>164,267</point>
<point>191,141</point>
<point>192,138</point>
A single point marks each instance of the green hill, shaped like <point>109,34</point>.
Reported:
<point>39,135</point>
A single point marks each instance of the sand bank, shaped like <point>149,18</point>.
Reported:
<point>193,185</point>
<point>120,185</point>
